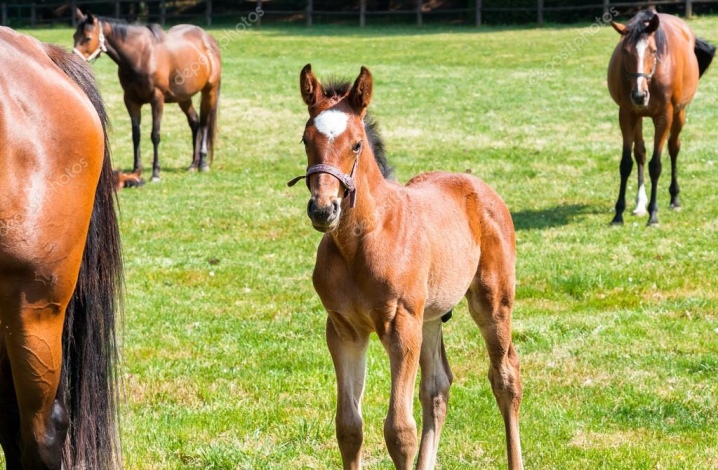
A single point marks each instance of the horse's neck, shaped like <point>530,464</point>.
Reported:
<point>124,51</point>
<point>375,202</point>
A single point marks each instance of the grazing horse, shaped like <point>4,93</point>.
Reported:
<point>395,260</point>
<point>653,72</point>
<point>156,67</point>
<point>60,266</point>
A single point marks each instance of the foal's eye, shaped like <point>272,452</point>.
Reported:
<point>357,147</point>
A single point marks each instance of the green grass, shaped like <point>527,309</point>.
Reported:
<point>225,366</point>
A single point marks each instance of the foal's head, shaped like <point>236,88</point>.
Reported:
<point>88,37</point>
<point>643,44</point>
<point>334,138</point>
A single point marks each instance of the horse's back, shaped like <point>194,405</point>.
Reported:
<point>50,135</point>
<point>193,60</point>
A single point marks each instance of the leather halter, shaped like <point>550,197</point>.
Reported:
<point>346,180</point>
<point>100,47</point>
<point>647,76</point>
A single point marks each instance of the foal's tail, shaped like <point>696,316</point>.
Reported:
<point>89,377</point>
<point>704,53</point>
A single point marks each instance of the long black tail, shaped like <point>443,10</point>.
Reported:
<point>89,377</point>
<point>704,53</point>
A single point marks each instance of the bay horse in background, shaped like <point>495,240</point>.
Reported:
<point>156,67</point>
<point>395,260</point>
<point>60,265</point>
<point>653,72</point>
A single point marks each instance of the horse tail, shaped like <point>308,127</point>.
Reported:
<point>89,377</point>
<point>704,53</point>
<point>212,123</point>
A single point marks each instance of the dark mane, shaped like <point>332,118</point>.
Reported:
<point>120,28</point>
<point>337,88</point>
<point>636,31</point>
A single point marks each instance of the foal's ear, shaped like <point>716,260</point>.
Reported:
<point>620,28</point>
<point>310,87</point>
<point>653,24</point>
<point>79,14</point>
<point>360,94</point>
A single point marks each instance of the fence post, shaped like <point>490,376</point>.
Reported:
<point>117,8</point>
<point>208,13</point>
<point>163,12</point>
<point>33,13</point>
<point>539,17</point>
<point>689,8</point>
<point>259,18</point>
<point>362,13</point>
<point>605,6</point>
<point>73,9</point>
<point>419,19</point>
<point>309,13</point>
<point>4,13</point>
<point>478,13</point>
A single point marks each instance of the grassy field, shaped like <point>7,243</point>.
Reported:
<point>224,361</point>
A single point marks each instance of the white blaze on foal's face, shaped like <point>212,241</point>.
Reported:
<point>331,123</point>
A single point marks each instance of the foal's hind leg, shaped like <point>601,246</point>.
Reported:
<point>348,349</point>
<point>639,153</point>
<point>193,121</point>
<point>32,320</point>
<point>436,379</point>
<point>490,299</point>
<point>674,146</point>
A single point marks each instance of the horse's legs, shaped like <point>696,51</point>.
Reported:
<point>348,349</point>
<point>628,121</point>
<point>193,121</point>
<point>32,329</point>
<point>436,379</point>
<point>639,153</point>
<point>158,104</point>
<point>490,298</point>
<point>134,110</point>
<point>674,146</point>
<point>9,413</point>
<point>662,124</point>
<point>207,103</point>
<point>402,341</point>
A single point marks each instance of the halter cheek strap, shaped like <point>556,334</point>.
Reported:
<point>647,76</point>
<point>346,180</point>
<point>100,47</point>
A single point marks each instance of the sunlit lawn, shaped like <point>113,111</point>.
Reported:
<point>225,364</point>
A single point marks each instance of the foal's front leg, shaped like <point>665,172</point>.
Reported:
<point>348,348</point>
<point>402,340</point>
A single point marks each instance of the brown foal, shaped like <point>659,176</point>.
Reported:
<point>395,260</point>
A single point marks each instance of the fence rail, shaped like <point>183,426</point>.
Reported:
<point>162,11</point>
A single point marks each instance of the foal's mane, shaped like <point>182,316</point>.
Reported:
<point>337,88</point>
<point>636,31</point>
<point>120,28</point>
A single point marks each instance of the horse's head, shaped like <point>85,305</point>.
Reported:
<point>333,140</point>
<point>89,39</point>
<point>642,41</point>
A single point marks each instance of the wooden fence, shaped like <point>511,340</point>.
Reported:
<point>165,10</point>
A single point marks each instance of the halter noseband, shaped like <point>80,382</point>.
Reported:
<point>647,76</point>
<point>100,47</point>
<point>346,180</point>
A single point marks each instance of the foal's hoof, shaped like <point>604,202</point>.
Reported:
<point>204,168</point>
<point>192,168</point>
<point>675,207</point>
<point>639,212</point>
<point>155,179</point>
<point>617,221</point>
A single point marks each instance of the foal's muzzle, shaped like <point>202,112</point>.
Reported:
<point>324,217</point>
